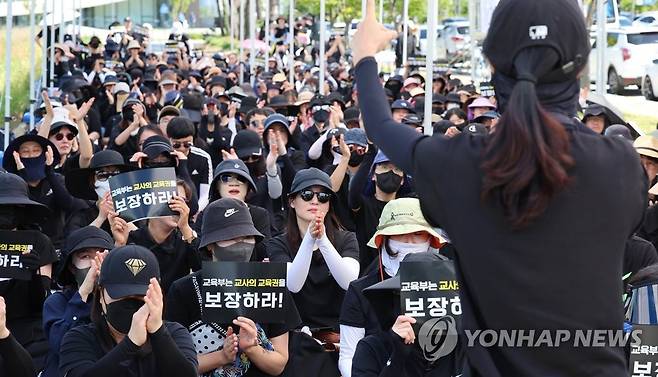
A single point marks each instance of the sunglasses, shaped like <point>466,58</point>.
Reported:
<point>60,136</point>
<point>103,176</point>
<point>307,196</point>
<point>230,178</point>
<point>380,169</point>
<point>185,145</point>
<point>321,107</point>
<point>252,158</point>
<point>357,149</point>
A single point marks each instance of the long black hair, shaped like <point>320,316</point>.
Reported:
<point>526,161</point>
<point>103,334</point>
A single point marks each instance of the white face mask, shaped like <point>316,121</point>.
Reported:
<point>102,188</point>
<point>392,264</point>
<point>451,105</point>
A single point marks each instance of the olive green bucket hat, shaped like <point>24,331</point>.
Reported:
<point>403,216</point>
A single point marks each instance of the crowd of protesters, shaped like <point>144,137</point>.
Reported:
<point>309,188</point>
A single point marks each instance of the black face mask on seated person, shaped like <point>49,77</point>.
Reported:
<point>238,252</point>
<point>321,116</point>
<point>35,168</point>
<point>389,182</point>
<point>9,219</point>
<point>119,314</point>
<point>257,168</point>
<point>356,159</point>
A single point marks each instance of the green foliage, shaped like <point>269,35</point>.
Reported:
<point>180,6</point>
<point>20,69</point>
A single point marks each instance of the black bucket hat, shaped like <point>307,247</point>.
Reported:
<point>80,239</point>
<point>230,167</point>
<point>519,24</point>
<point>306,178</point>
<point>78,181</point>
<point>247,104</point>
<point>14,192</point>
<point>596,110</point>
<point>10,165</point>
<point>127,271</point>
<point>226,219</point>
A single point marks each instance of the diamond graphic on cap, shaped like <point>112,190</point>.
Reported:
<point>135,265</point>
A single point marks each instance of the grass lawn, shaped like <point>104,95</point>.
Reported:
<point>20,69</point>
<point>646,123</point>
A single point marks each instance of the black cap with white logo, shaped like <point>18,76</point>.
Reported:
<point>226,219</point>
<point>127,271</point>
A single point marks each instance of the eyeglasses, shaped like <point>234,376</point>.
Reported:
<point>231,178</point>
<point>59,136</point>
<point>358,150</point>
<point>252,158</point>
<point>385,168</point>
<point>102,176</point>
<point>307,196</point>
<point>321,107</point>
<point>257,123</point>
<point>186,145</point>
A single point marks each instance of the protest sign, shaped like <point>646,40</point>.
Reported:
<point>429,290</point>
<point>13,246</point>
<point>644,354</point>
<point>143,194</point>
<point>252,290</point>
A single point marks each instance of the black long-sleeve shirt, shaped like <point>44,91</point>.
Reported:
<point>563,271</point>
<point>16,361</point>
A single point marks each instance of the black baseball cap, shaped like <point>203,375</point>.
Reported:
<point>306,178</point>
<point>351,114</point>
<point>157,145</point>
<point>87,237</point>
<point>226,219</point>
<point>247,143</point>
<point>618,130</point>
<point>127,271</point>
<point>476,129</point>
<point>595,110</point>
<point>276,118</point>
<point>520,24</point>
<point>453,98</point>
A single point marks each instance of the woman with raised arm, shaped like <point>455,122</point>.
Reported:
<point>530,207</point>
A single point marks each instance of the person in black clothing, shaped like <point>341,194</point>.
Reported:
<point>77,274</point>
<point>123,137</point>
<point>25,296</point>
<point>213,130</point>
<point>220,351</point>
<point>402,230</point>
<point>92,185</point>
<point>540,189</point>
<point>15,361</point>
<point>388,179</point>
<point>638,253</point>
<point>320,107</point>
<point>232,180</point>
<point>127,336</point>
<point>32,157</point>
<point>171,239</point>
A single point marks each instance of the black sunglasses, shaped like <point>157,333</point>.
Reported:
<point>228,178</point>
<point>307,196</point>
<point>59,136</point>
<point>103,176</point>
<point>186,145</point>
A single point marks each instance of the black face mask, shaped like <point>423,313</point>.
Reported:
<point>120,313</point>
<point>389,182</point>
<point>35,168</point>
<point>256,169</point>
<point>356,160</point>
<point>321,116</point>
<point>238,252</point>
<point>8,217</point>
<point>80,274</point>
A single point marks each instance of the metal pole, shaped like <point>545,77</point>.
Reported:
<point>231,24</point>
<point>80,21</point>
<point>601,44</point>
<point>267,34</point>
<point>8,74</point>
<point>291,42</point>
<point>429,64</point>
<point>472,18</point>
<point>252,36</point>
<point>323,34</point>
<point>52,46</point>
<point>32,62</point>
<point>44,50</point>
<point>405,31</point>
<point>241,58</point>
<point>61,23</point>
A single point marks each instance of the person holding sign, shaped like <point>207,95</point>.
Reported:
<point>229,235</point>
<point>79,267</point>
<point>26,258</point>
<point>170,238</point>
<point>128,336</point>
<point>321,256</point>
<point>533,203</point>
<point>402,230</point>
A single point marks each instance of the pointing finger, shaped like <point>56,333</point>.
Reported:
<point>370,10</point>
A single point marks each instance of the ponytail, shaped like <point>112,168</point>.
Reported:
<point>526,161</point>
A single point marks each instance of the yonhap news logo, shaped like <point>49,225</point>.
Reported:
<point>438,337</point>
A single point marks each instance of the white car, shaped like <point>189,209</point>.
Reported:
<point>453,39</point>
<point>650,82</point>
<point>422,42</point>
<point>629,50</point>
<point>646,19</point>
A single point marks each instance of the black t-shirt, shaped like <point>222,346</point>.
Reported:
<point>82,350</point>
<point>175,257</point>
<point>341,204</point>
<point>356,310</point>
<point>199,165</point>
<point>321,297</point>
<point>184,303</point>
<point>367,220</point>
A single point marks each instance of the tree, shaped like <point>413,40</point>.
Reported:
<point>178,6</point>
